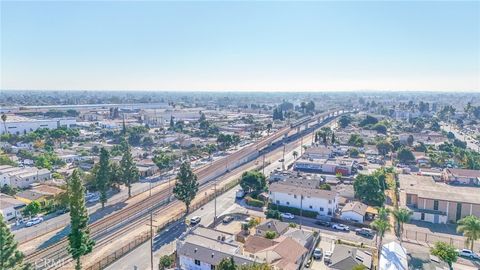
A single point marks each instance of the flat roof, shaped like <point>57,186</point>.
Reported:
<point>426,187</point>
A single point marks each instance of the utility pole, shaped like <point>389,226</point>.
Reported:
<point>301,145</point>
<point>301,206</point>
<point>283,159</point>
<point>215,201</point>
<point>151,228</point>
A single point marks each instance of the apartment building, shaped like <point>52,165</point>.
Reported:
<point>437,202</point>
<point>22,177</point>
<point>301,195</point>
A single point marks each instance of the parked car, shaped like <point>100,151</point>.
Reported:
<point>239,193</point>
<point>34,221</point>
<point>93,199</point>
<point>317,254</point>
<point>195,220</point>
<point>327,258</point>
<point>340,227</point>
<point>467,253</point>
<point>287,215</point>
<point>364,232</point>
<point>227,219</point>
<point>323,223</point>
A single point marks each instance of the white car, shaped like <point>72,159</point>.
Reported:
<point>287,216</point>
<point>34,221</point>
<point>467,253</point>
<point>195,220</point>
<point>340,227</point>
<point>317,254</point>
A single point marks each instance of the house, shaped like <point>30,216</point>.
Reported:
<point>346,257</point>
<point>10,207</point>
<point>354,211</point>
<point>22,177</point>
<point>324,202</point>
<point>40,193</point>
<point>422,159</point>
<point>425,261</point>
<point>461,176</point>
<point>271,225</point>
<point>303,237</point>
<point>203,249</point>
<point>437,202</point>
<point>281,253</point>
<point>393,257</point>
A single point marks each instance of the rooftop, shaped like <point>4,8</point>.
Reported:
<point>426,187</point>
<point>300,190</point>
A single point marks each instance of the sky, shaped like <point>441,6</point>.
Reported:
<point>240,46</point>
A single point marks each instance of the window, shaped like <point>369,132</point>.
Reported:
<point>329,201</point>
<point>321,209</point>
<point>459,211</point>
<point>295,196</point>
<point>311,207</point>
<point>435,205</point>
<point>278,202</point>
<point>409,199</point>
<point>197,262</point>
<point>288,203</point>
<point>423,216</point>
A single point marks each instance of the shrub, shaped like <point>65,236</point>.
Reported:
<point>293,210</point>
<point>275,214</point>
<point>254,202</point>
<point>270,234</point>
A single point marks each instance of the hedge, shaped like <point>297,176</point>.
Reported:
<point>253,202</point>
<point>293,210</point>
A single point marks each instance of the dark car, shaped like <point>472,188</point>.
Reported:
<point>323,223</point>
<point>364,232</point>
<point>227,219</point>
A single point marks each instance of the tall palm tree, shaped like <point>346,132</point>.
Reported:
<point>381,224</point>
<point>469,226</point>
<point>295,154</point>
<point>4,119</point>
<point>402,216</point>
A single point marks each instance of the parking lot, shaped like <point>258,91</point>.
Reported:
<point>326,244</point>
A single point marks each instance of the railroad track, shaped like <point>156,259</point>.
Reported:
<point>107,226</point>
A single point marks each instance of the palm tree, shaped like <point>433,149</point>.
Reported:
<point>381,224</point>
<point>295,154</point>
<point>402,216</point>
<point>4,119</point>
<point>469,226</point>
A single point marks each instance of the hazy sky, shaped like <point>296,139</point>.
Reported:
<point>302,46</point>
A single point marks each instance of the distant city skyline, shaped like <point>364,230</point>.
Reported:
<point>240,46</point>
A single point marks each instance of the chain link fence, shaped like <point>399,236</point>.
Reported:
<point>430,239</point>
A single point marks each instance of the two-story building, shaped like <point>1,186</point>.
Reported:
<point>461,176</point>
<point>437,202</point>
<point>305,197</point>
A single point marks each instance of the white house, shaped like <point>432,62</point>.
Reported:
<point>325,202</point>
<point>354,211</point>
<point>10,207</point>
<point>22,177</point>
<point>393,257</point>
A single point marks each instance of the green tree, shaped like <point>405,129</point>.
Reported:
<point>369,190</point>
<point>4,120</point>
<point>163,161</point>
<point>355,140</point>
<point>270,235</point>
<point>102,179</point>
<point>165,262</point>
<point>359,267</point>
<point>10,256</point>
<point>33,208</point>
<point>253,181</point>
<point>469,226</point>
<point>295,154</point>
<point>384,147</point>
<point>445,252</point>
<point>115,175</point>
<point>353,152</point>
<point>402,216</point>
<point>186,187</point>
<point>129,170</point>
<point>405,155</point>
<point>227,264</point>
<point>80,243</point>
<point>344,121</point>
